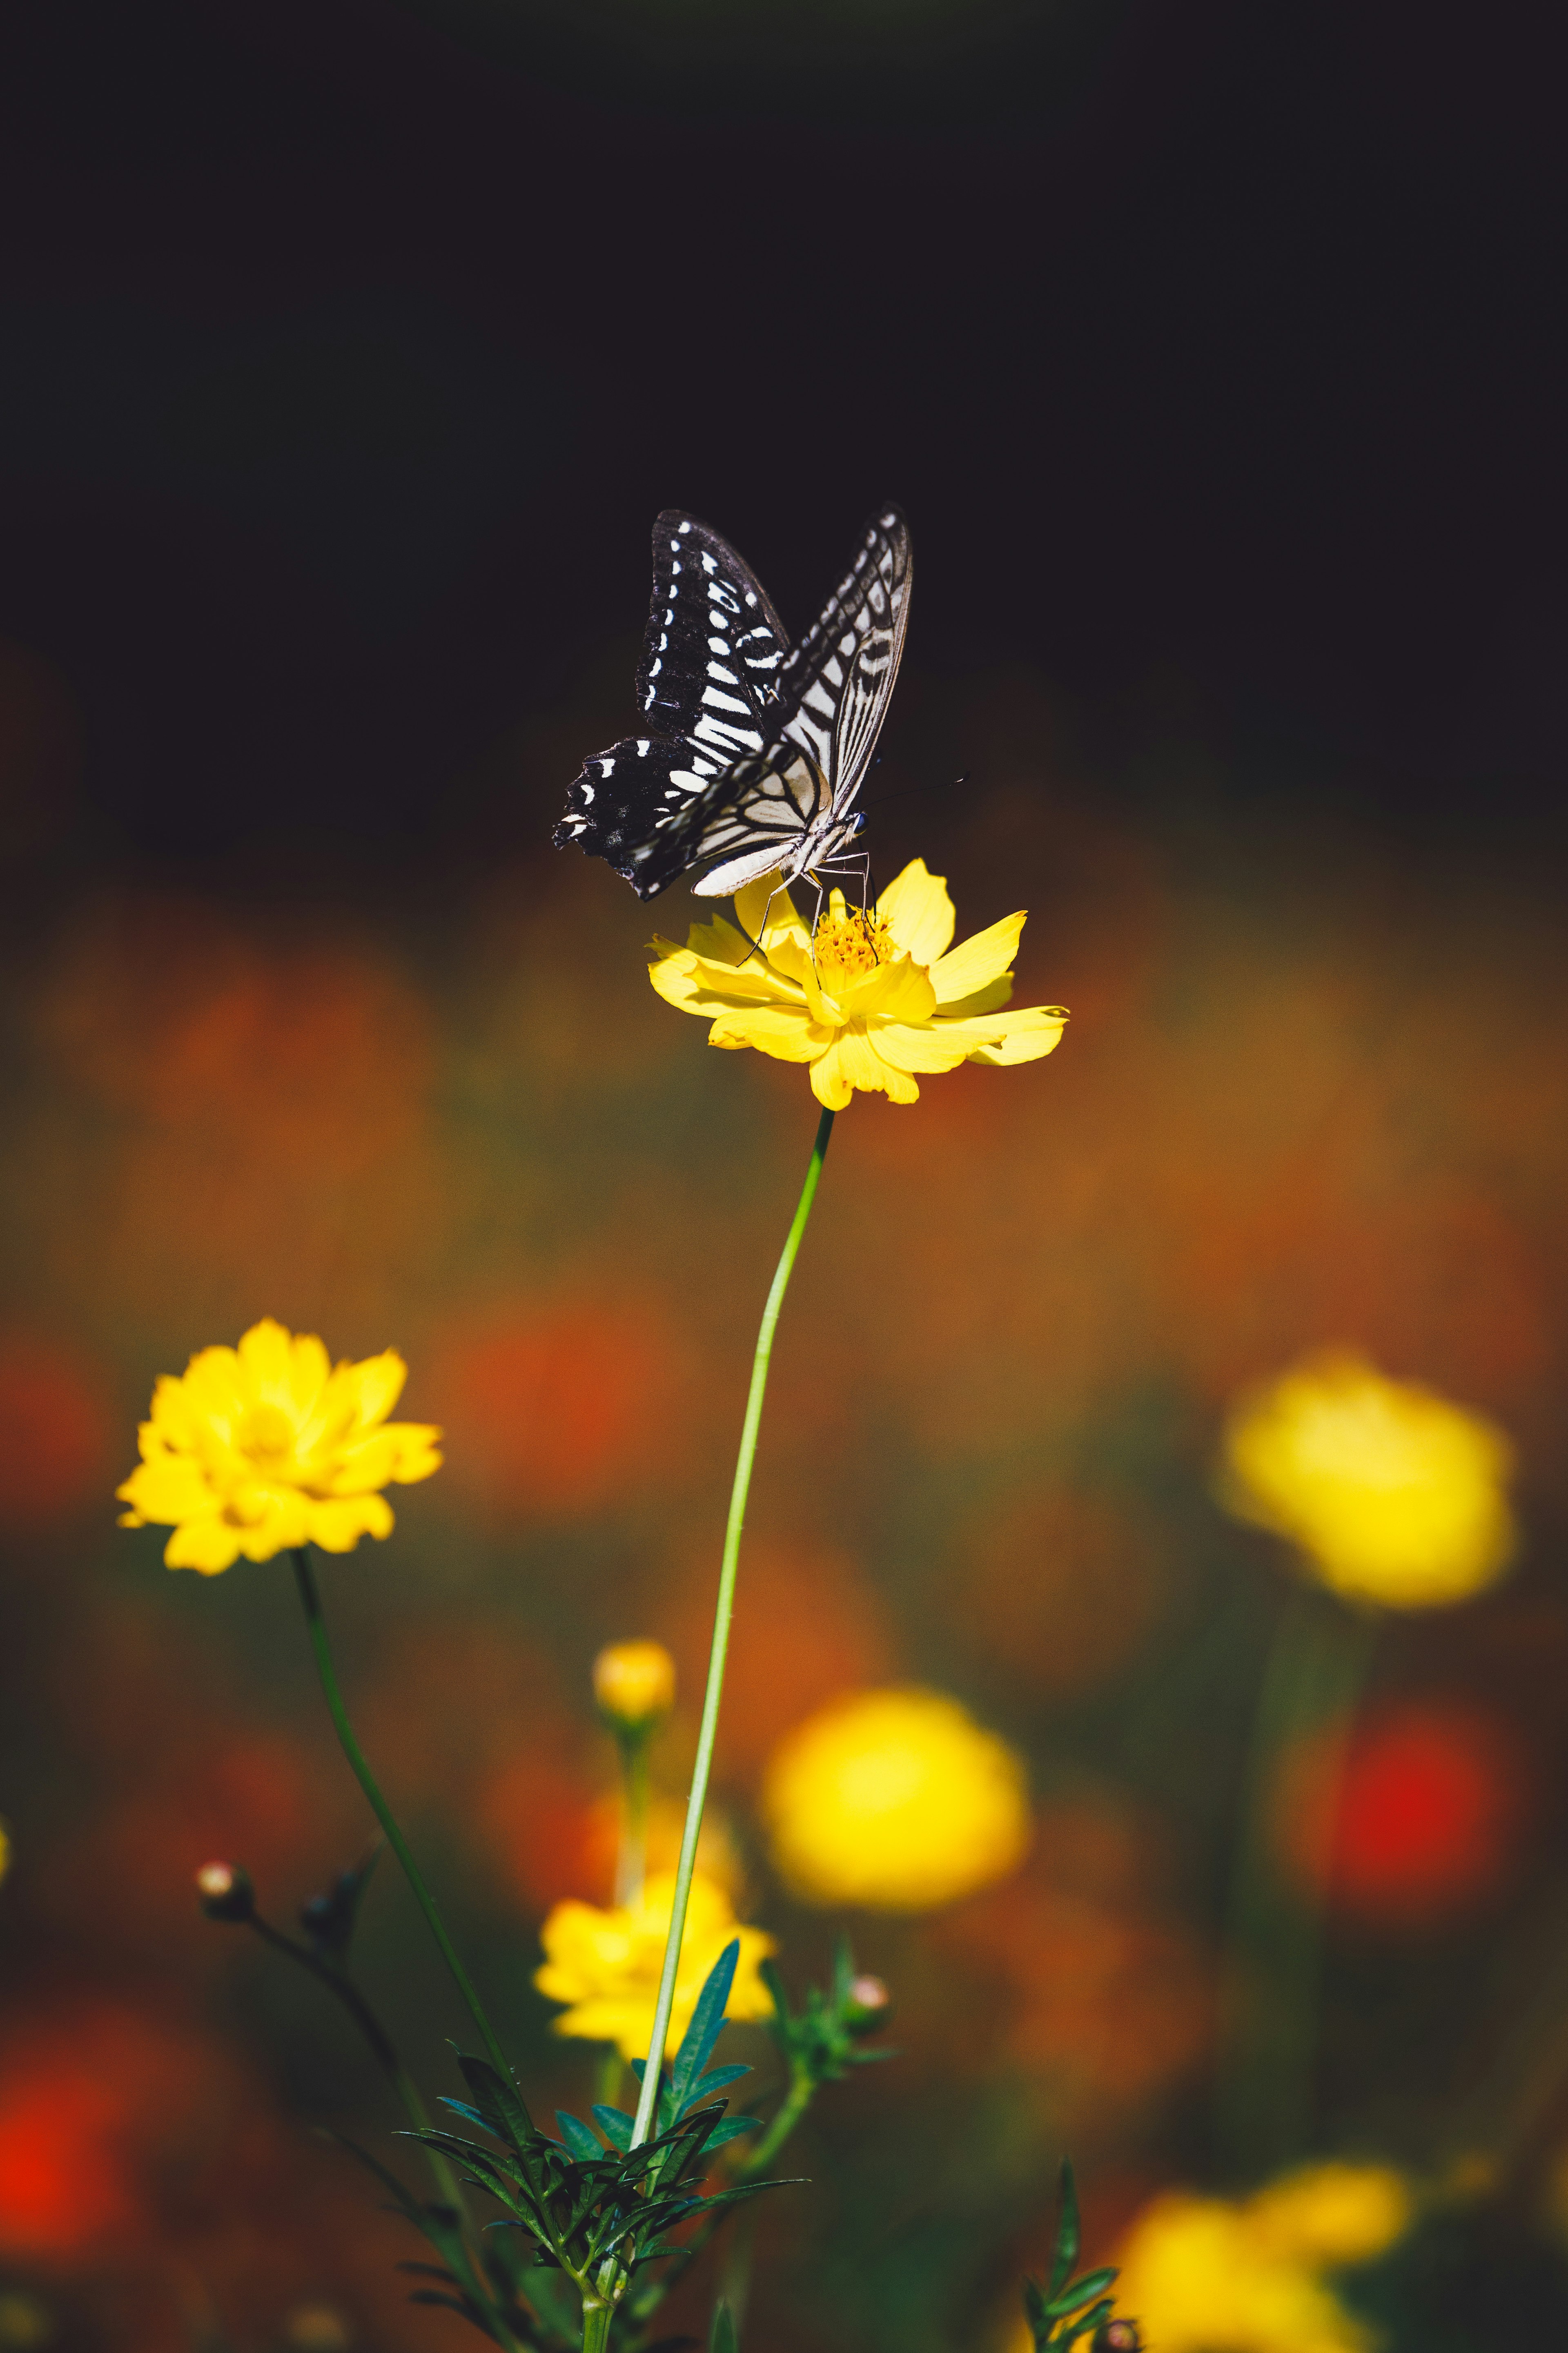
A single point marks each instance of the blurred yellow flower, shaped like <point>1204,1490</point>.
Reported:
<point>894,1799</point>
<point>1333,2213</point>
<point>265,1446</point>
<point>607,1964</point>
<point>4,1850</point>
<point>1393,1494</point>
<point>634,1683</point>
<point>868,1002</point>
<point>1205,2275</point>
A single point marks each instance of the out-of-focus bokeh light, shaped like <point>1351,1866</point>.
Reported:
<point>896,1800</point>
<point>1209,2276</point>
<point>55,1406</point>
<point>605,1964</point>
<point>1391,1494</point>
<point>1420,1816</point>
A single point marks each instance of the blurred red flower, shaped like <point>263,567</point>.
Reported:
<point>558,1408</point>
<point>85,2098</point>
<point>61,1432</point>
<point>1421,1818</point>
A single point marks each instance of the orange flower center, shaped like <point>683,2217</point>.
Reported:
<point>848,944</point>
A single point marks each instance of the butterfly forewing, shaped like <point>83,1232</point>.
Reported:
<point>752,755</point>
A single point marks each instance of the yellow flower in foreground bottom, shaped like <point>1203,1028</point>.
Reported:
<point>607,1964</point>
<point>868,1003</point>
<point>895,1799</point>
<point>1204,2275</point>
<point>265,1445</point>
<point>1393,1495</point>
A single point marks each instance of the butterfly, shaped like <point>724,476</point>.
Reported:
<point>754,751</point>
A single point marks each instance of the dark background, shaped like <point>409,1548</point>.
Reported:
<point>1216,353</point>
<point>346,354</point>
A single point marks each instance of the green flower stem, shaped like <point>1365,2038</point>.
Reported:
<point>802,2090</point>
<point>717,1655</point>
<point>596,2319</point>
<point>1313,1677</point>
<point>310,1601</point>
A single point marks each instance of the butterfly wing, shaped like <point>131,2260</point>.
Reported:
<point>754,754</point>
<point>840,680</point>
<point>707,693</point>
<point>834,691</point>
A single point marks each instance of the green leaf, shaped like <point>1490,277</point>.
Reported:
<point>714,2080</point>
<point>707,2023</point>
<point>843,1973</point>
<point>1035,2307</point>
<point>721,2337</point>
<point>730,2130</point>
<point>1069,2234</point>
<point>577,2136</point>
<point>1089,2324</point>
<point>500,2103</point>
<point>616,2126</point>
<point>1081,2291</point>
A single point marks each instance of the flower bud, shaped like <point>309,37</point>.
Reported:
<point>225,1892</point>
<point>1118,2337</point>
<point>634,1683</point>
<point>868,2006</point>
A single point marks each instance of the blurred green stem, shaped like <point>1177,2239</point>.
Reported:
<point>310,1601</point>
<point>338,1982</point>
<point>1314,1675</point>
<point>631,1859</point>
<point>721,1616</point>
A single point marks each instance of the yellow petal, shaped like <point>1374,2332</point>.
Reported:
<point>787,1032</point>
<point>861,1066</point>
<point>1026,1036</point>
<point>264,1358</point>
<point>402,1450</point>
<point>720,943</point>
<point>377,1384</point>
<point>338,1526</point>
<point>917,909</point>
<point>976,965</point>
<point>929,1048</point>
<point>829,1081</point>
<point>168,1491</point>
<point>209,1545</point>
<point>697,985</point>
<point>898,992</point>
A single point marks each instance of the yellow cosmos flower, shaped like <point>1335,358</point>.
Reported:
<point>1393,1494</point>
<point>634,1683</point>
<point>265,1446</point>
<point>1205,2275</point>
<point>607,1964</point>
<point>894,1799</point>
<point>868,1003</point>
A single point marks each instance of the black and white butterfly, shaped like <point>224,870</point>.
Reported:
<point>754,751</point>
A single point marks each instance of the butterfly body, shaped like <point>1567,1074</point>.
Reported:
<point>754,752</point>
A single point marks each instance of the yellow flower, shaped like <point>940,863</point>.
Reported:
<point>895,1799</point>
<point>265,1446</point>
<point>872,1001</point>
<point>4,1850</point>
<point>607,1964</point>
<point>1393,1494</point>
<point>634,1683</point>
<point>1205,2275</point>
<point>1333,2213</point>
